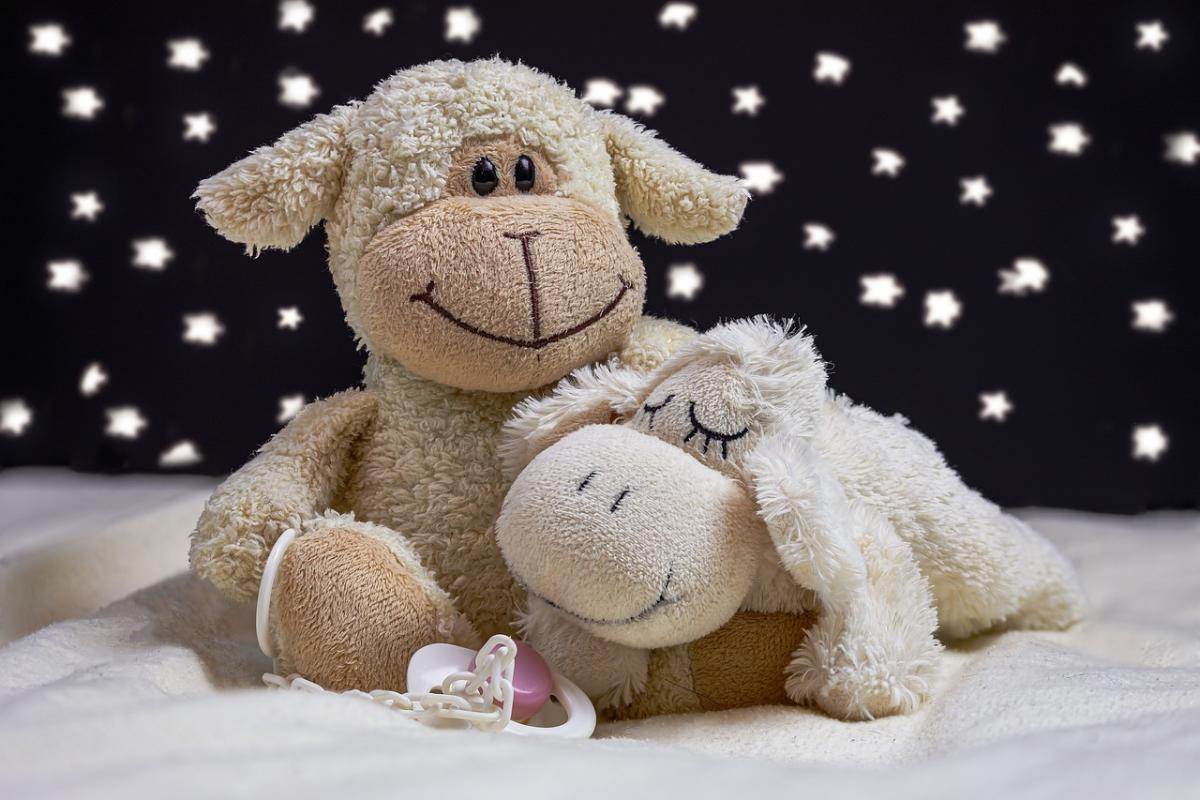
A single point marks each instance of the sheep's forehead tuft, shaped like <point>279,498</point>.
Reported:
<point>438,106</point>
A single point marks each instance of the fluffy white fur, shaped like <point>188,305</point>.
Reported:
<point>862,510</point>
<point>585,397</point>
<point>873,648</point>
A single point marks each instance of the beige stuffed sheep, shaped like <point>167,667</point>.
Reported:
<point>735,483</point>
<point>475,215</point>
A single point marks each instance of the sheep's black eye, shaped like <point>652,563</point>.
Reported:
<point>484,178</point>
<point>523,173</point>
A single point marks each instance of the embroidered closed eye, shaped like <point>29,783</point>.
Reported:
<point>651,410</point>
<point>710,435</point>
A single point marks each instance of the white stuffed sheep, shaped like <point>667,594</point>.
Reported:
<point>734,482</point>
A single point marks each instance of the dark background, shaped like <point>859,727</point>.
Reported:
<point>1079,376</point>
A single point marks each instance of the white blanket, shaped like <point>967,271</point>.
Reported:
<point>158,694</point>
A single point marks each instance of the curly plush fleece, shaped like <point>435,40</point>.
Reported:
<point>861,508</point>
<point>366,164</point>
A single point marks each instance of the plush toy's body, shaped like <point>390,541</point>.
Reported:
<point>475,218</point>
<point>402,454</point>
<point>691,536</point>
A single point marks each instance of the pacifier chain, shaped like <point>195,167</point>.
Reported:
<point>483,697</point>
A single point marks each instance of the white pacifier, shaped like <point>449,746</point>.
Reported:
<point>532,700</point>
<point>505,686</point>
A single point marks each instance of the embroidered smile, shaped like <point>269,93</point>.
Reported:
<point>661,602</point>
<point>537,341</point>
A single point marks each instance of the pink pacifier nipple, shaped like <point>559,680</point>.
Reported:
<point>532,681</point>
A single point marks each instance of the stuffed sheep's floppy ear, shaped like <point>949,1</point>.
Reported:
<point>664,192</point>
<point>588,396</point>
<point>808,516</point>
<point>873,650</point>
<point>272,197</point>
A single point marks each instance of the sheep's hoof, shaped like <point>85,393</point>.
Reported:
<point>350,614</point>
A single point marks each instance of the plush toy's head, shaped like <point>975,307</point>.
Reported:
<point>476,218</point>
<point>646,532</point>
<point>631,537</point>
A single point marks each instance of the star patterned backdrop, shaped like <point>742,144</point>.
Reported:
<point>985,212</point>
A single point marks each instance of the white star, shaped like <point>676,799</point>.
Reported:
<point>643,100</point>
<point>881,289</point>
<point>295,15</point>
<point>151,253</point>
<point>462,23</point>
<point>1151,35</point>
<point>942,309</point>
<point>198,126</point>
<point>996,405</point>
<point>684,280</point>
<point>887,162</point>
<point>747,100</point>
<point>1027,275</point>
<point>124,422</point>
<point>181,454</point>
<point>94,377</point>
<point>1068,138</point>
<point>817,236</point>
<point>759,176</point>
<point>831,68</point>
<point>202,328</point>
<point>378,21</point>
<point>1149,442</point>
<point>1182,147</point>
<point>15,416</point>
<point>289,406</point>
<point>296,89</point>
<point>602,92</point>
<point>66,276</point>
<point>81,102</point>
<point>1151,315</point>
<point>984,36</point>
<point>975,191</point>
<point>290,317</point>
<point>87,206</point>
<point>947,110</point>
<point>1071,75</point>
<point>677,15</point>
<point>1127,229</point>
<point>48,39</point>
<point>186,54</point>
